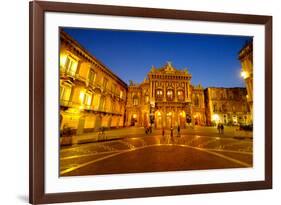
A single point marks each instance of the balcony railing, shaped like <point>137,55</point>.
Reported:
<point>81,78</point>
<point>67,73</point>
<point>159,98</point>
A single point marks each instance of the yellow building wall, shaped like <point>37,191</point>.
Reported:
<point>84,68</point>
<point>101,108</point>
<point>90,121</point>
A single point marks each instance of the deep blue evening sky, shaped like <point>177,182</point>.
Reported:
<point>211,59</point>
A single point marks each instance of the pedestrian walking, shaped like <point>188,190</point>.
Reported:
<point>219,128</point>
<point>172,135</point>
<point>179,131</point>
<point>145,129</point>
<point>222,128</point>
<point>150,129</point>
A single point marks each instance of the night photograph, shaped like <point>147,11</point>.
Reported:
<point>139,101</point>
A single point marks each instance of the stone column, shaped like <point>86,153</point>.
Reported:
<point>164,117</point>
<point>165,91</point>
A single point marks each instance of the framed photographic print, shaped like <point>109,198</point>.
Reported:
<point>138,102</point>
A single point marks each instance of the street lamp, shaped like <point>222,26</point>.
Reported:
<point>244,74</point>
<point>216,118</point>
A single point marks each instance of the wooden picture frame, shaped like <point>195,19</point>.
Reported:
<point>37,10</point>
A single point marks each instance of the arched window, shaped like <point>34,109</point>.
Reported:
<point>180,95</point>
<point>170,94</point>
<point>159,94</point>
<point>135,100</point>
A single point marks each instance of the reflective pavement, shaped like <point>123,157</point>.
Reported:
<point>192,150</point>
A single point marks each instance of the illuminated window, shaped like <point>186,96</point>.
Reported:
<point>81,96</point>
<point>135,100</point>
<point>65,92</point>
<point>88,99</point>
<point>159,93</point>
<point>92,76</point>
<point>180,95</point>
<point>70,65</point>
<point>170,95</point>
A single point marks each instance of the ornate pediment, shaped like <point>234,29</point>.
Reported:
<point>168,68</point>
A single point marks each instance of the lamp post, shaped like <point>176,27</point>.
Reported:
<point>244,74</point>
<point>216,118</point>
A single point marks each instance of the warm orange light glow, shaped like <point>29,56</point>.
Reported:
<point>88,99</point>
<point>63,59</point>
<point>182,113</point>
<point>215,117</point>
<point>81,96</point>
<point>244,74</point>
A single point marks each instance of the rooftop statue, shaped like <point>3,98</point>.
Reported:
<point>185,71</point>
<point>153,69</point>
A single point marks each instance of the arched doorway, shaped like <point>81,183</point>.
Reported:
<point>169,119</point>
<point>158,119</point>
<point>182,119</point>
<point>134,119</point>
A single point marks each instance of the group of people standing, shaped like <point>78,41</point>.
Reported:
<point>220,128</point>
<point>172,131</point>
<point>148,130</point>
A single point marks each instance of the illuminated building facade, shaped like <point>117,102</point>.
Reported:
<point>246,59</point>
<point>91,95</point>
<point>227,106</point>
<point>165,99</point>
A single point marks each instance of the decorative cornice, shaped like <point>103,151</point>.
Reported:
<point>88,56</point>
